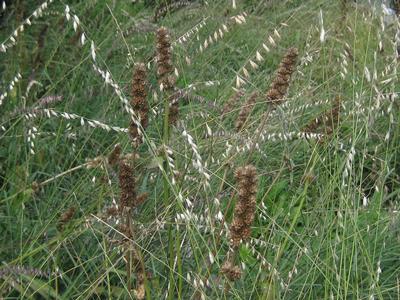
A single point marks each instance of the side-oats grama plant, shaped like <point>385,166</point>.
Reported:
<point>280,84</point>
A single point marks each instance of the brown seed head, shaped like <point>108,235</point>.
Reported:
<point>230,271</point>
<point>138,100</point>
<point>127,185</point>
<point>246,178</point>
<point>114,156</point>
<point>165,71</point>
<point>281,82</point>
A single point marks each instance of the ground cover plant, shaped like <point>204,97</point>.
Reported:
<point>199,150</point>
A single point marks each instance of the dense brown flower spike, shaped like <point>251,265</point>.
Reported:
<point>246,110</point>
<point>127,184</point>
<point>240,230</point>
<point>281,82</point>
<point>138,100</point>
<point>231,271</point>
<point>165,71</point>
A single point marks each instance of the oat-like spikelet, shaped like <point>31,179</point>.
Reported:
<point>232,102</point>
<point>66,217</point>
<point>165,71</point>
<point>231,271</point>
<point>281,82</point>
<point>138,100</point>
<point>240,230</point>
<point>127,184</point>
<point>246,111</point>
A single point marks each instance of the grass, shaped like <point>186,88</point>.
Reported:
<point>326,223</point>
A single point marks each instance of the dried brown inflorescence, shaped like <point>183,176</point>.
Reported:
<point>232,102</point>
<point>115,155</point>
<point>127,182</point>
<point>231,271</point>
<point>165,71</point>
<point>66,217</point>
<point>246,111</point>
<point>328,120</point>
<point>240,230</point>
<point>280,85</point>
<point>138,100</point>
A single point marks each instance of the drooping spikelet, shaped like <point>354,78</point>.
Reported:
<point>246,178</point>
<point>138,100</point>
<point>246,111</point>
<point>281,82</point>
<point>165,71</point>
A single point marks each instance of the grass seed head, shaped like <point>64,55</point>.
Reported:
<point>127,183</point>
<point>231,271</point>
<point>246,178</point>
<point>281,82</point>
<point>114,156</point>
<point>138,100</point>
<point>165,71</point>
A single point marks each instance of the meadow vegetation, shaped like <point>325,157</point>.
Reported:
<point>198,150</point>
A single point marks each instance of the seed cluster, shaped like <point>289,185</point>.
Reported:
<point>138,100</point>
<point>240,230</point>
<point>127,185</point>
<point>165,71</point>
<point>281,82</point>
<point>231,271</point>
